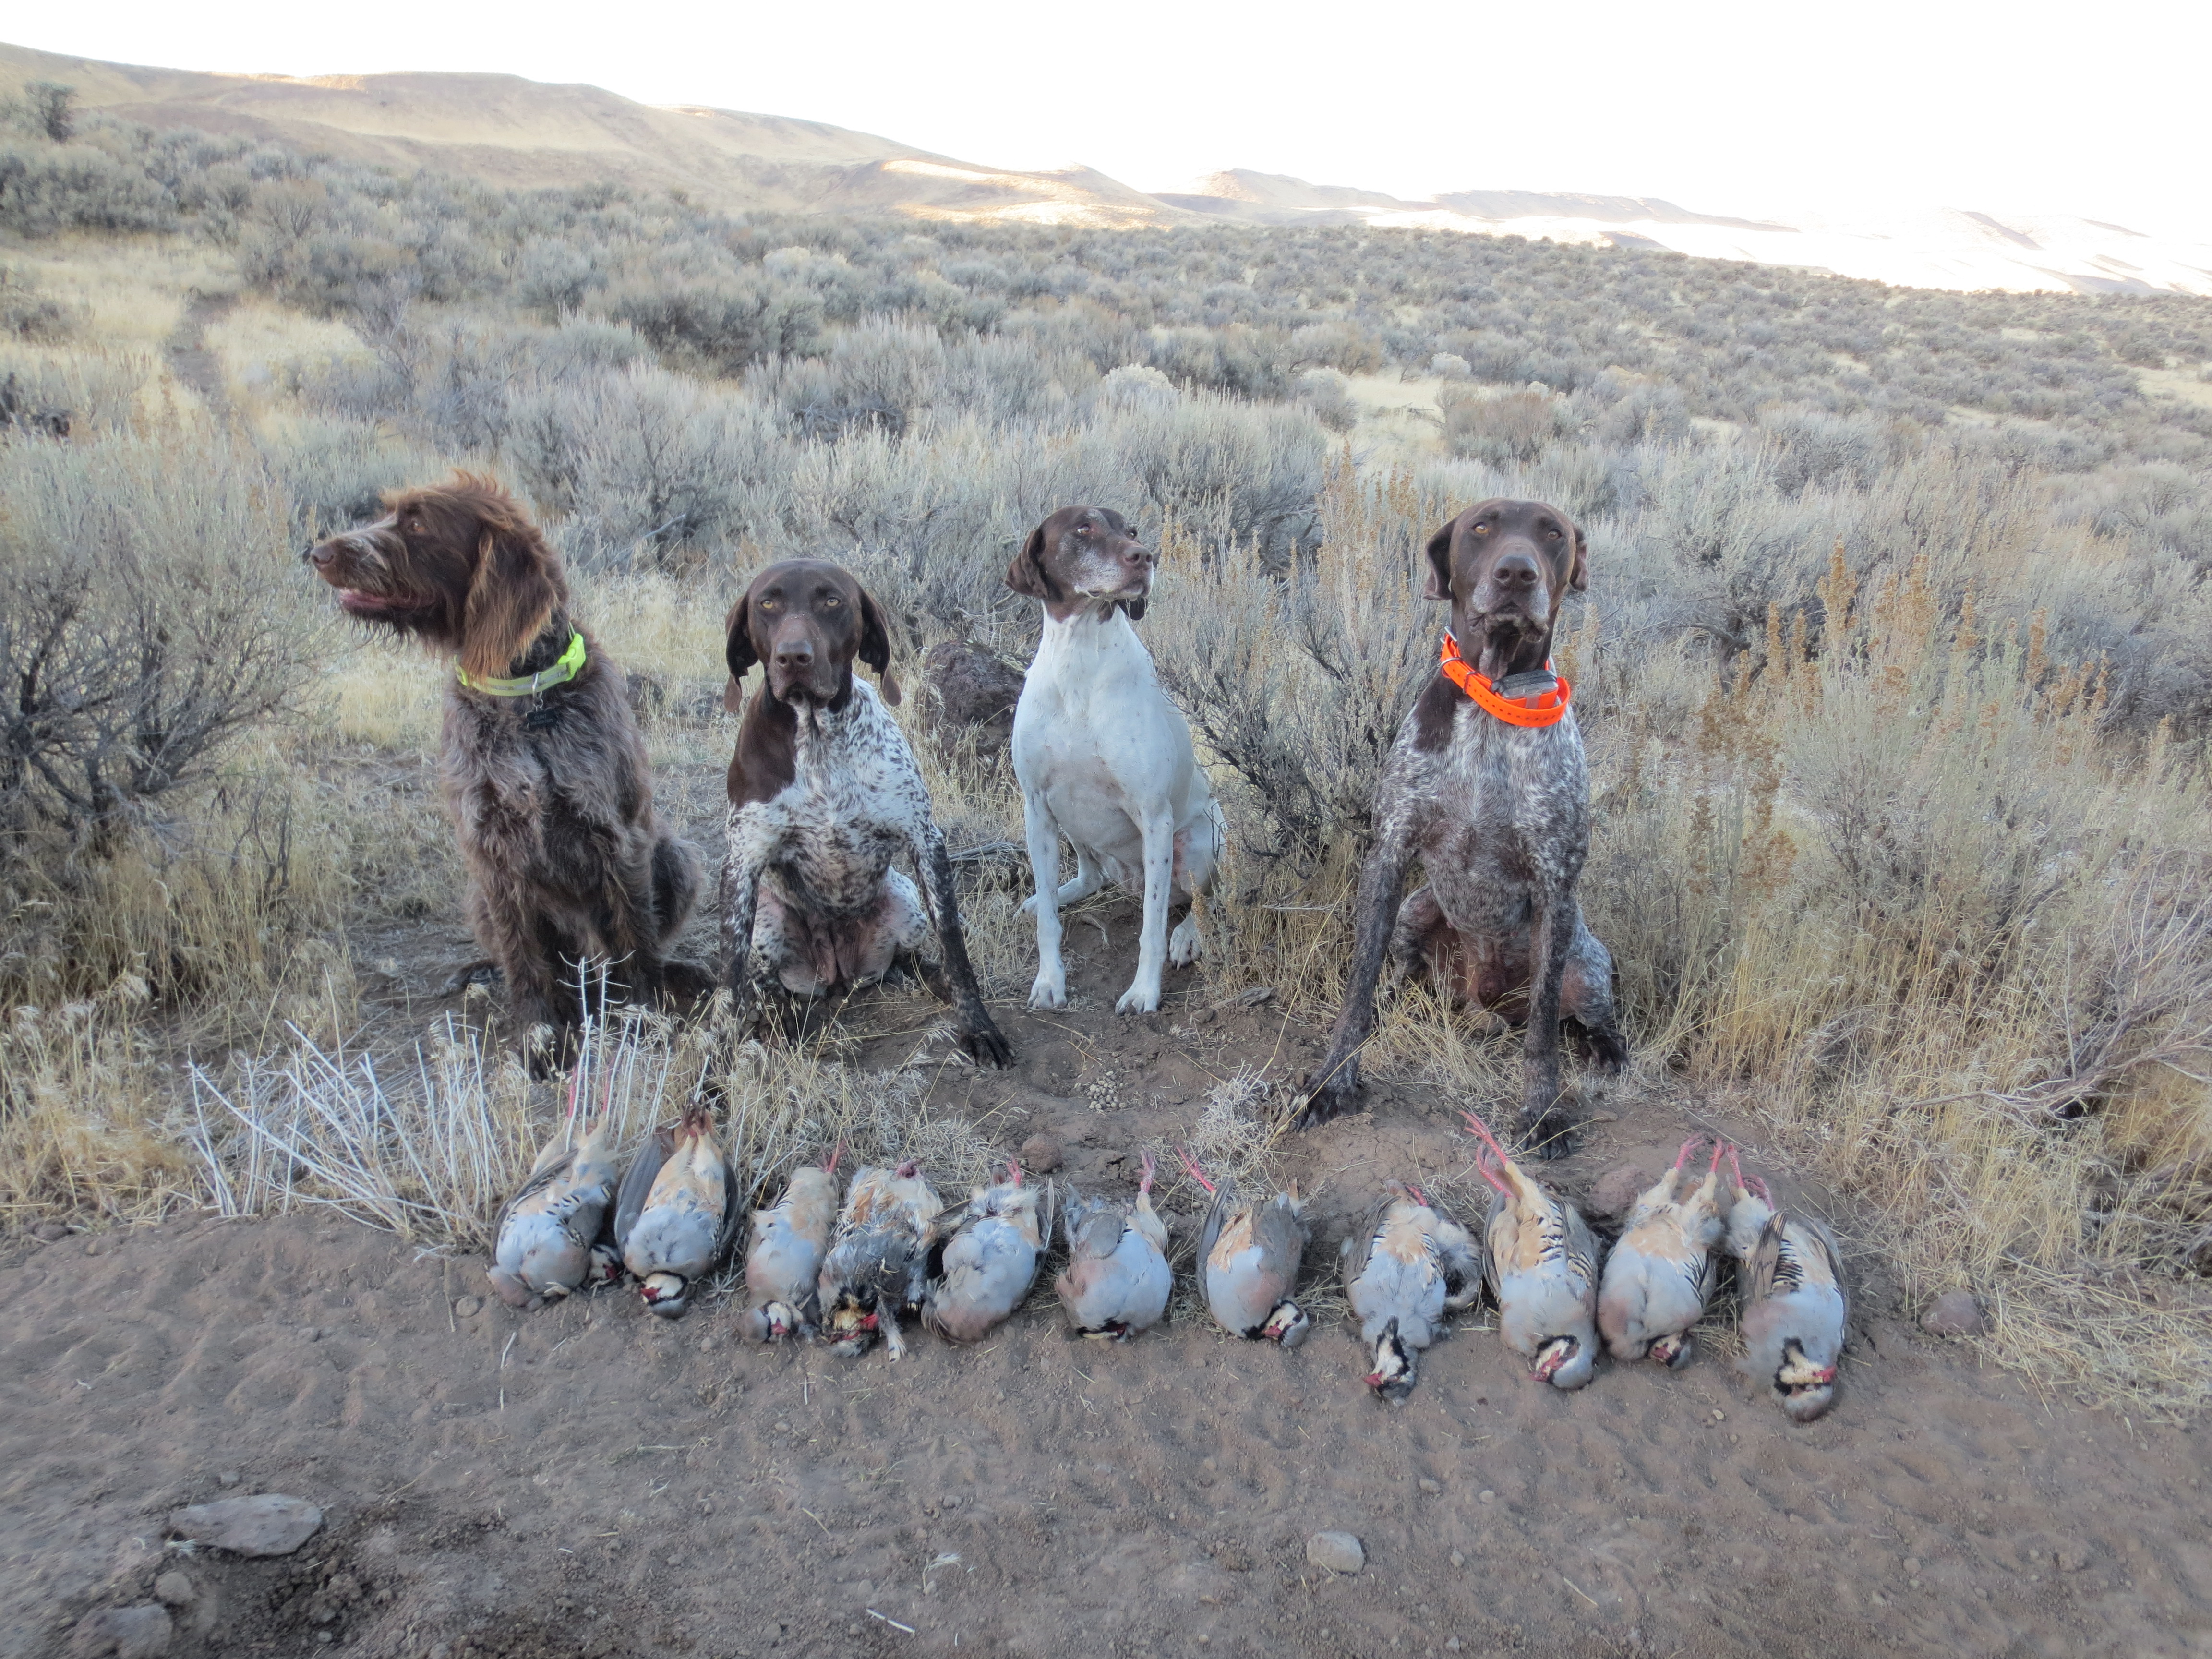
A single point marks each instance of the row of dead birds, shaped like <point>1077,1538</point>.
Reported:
<point>848,1273</point>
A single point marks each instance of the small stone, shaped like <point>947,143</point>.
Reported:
<point>1614,1191</point>
<point>49,1231</point>
<point>1452,1646</point>
<point>1954,1313</point>
<point>1485,1496</point>
<point>1457,1559</point>
<point>174,1587</point>
<point>138,1632</point>
<point>1337,1552</point>
<point>2071,1555</point>
<point>267,1524</point>
<point>1720,1417</point>
<point>1605,1117</point>
<point>1042,1153</point>
<point>1430,1486</point>
<point>468,1307</point>
<point>227,1477</point>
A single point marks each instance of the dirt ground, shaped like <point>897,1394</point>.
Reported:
<point>587,1480</point>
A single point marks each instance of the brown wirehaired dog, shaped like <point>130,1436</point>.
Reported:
<point>543,768</point>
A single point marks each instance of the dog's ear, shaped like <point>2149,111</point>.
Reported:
<point>1438,585</point>
<point>737,651</point>
<point>510,596</point>
<point>1026,574</point>
<point>1578,566</point>
<point>876,645</point>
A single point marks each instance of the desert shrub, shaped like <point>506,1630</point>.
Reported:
<point>61,187</point>
<point>145,624</point>
<point>719,324</point>
<point>642,463</point>
<point>1327,395</point>
<point>27,314</point>
<point>334,472</point>
<point>1516,428</point>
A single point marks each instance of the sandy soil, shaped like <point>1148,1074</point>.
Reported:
<point>587,1480</point>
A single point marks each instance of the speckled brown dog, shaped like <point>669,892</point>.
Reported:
<point>544,771</point>
<point>1488,783</point>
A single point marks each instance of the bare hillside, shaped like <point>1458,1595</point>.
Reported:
<point>511,131</point>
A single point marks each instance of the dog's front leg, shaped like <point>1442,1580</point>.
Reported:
<point>741,878</point>
<point>978,1036</point>
<point>1143,996</point>
<point>1544,1118</point>
<point>1375,913</point>
<point>1050,990</point>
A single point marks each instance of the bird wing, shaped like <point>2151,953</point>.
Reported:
<point>1358,1248</point>
<point>1281,1237</point>
<point>1766,1259</point>
<point>1827,1257</point>
<point>637,1184</point>
<point>1462,1256</point>
<point>1217,1216</point>
<point>546,1173</point>
<point>1579,1245</point>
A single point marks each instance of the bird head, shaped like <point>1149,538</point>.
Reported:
<point>606,1267</point>
<point>778,1320</point>
<point>665,1294</point>
<point>1805,1389</point>
<point>1288,1324</point>
<point>851,1324</point>
<point>1564,1362</point>
<point>1393,1377</point>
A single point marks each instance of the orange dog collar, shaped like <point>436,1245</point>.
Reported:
<point>1539,708</point>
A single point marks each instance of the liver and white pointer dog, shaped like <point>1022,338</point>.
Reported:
<point>1102,755</point>
<point>1486,783</point>
<point>544,771</point>
<point>824,794</point>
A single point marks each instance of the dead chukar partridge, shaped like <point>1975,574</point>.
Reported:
<point>677,1211</point>
<point>877,1264</point>
<point>546,1231</point>
<point>984,1258</point>
<point>784,1260</point>
<point>1794,1305</point>
<point>1543,1269</point>
<point>1248,1260</point>
<point>1406,1266</point>
<point>1660,1274</point>
<point>1117,1281</point>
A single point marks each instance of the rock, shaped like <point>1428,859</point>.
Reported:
<point>49,1231</point>
<point>138,1632</point>
<point>1485,1496</point>
<point>227,1477</point>
<point>1339,1552</point>
<point>965,688</point>
<point>268,1523</point>
<point>469,1306</point>
<point>1042,1153</point>
<point>1615,1190</point>
<point>1431,1487</point>
<point>1457,1559</point>
<point>1452,1646</point>
<point>1954,1313</point>
<point>174,1587</point>
<point>2071,1555</point>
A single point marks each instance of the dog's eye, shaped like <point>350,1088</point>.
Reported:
<point>1552,531</point>
<point>1482,530</point>
<point>830,602</point>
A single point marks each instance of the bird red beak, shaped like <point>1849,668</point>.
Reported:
<point>1826,1374</point>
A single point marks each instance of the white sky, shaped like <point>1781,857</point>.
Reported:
<point>1721,105</point>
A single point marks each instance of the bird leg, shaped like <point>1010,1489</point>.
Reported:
<point>1145,1185</point>
<point>1190,1168</point>
<point>908,1170</point>
<point>1689,1146</point>
<point>887,1326</point>
<point>829,1164</point>
<point>1483,1168</point>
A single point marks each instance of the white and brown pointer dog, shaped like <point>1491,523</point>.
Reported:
<point>1487,784</point>
<point>1102,755</point>
<point>824,794</point>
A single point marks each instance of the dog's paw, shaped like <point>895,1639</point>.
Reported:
<point>1186,945</point>
<point>1139,1000</point>
<point>1050,991</point>
<point>1029,905</point>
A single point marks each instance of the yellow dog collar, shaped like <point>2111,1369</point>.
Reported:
<point>570,664</point>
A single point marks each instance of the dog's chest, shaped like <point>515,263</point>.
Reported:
<point>854,801</point>
<point>1503,810</point>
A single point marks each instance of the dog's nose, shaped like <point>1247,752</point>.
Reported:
<point>317,554</point>
<point>794,653</point>
<point>1515,572</point>
<point>1136,557</point>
